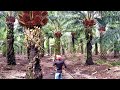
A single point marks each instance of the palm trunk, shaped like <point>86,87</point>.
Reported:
<point>18,50</point>
<point>48,46</point>
<point>116,52</point>
<point>57,46</point>
<point>89,60</point>
<point>52,50</point>
<point>73,43</point>
<point>34,70</point>
<point>21,49</point>
<point>63,50</point>
<point>96,49</point>
<point>81,46</point>
<point>34,65</point>
<point>102,51</point>
<point>10,42</point>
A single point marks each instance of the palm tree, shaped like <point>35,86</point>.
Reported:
<point>88,18</point>
<point>3,41</point>
<point>9,16</point>
<point>32,21</point>
<point>10,38</point>
<point>116,51</point>
<point>48,33</point>
<point>105,18</point>
<point>19,39</point>
<point>60,23</point>
<point>89,23</point>
<point>81,41</point>
<point>102,26</point>
<point>111,40</point>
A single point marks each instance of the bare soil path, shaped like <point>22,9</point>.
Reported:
<point>76,69</point>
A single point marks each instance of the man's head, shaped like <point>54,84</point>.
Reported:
<point>58,57</point>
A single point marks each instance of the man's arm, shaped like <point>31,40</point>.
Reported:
<point>65,65</point>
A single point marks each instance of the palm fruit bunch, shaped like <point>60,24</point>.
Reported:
<point>73,33</point>
<point>30,19</point>
<point>10,22</point>
<point>89,22</point>
<point>58,34</point>
<point>102,28</point>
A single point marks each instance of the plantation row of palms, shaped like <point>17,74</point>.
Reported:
<point>58,32</point>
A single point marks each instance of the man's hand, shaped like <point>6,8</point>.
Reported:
<point>66,68</point>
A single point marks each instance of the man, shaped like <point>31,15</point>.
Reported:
<point>59,63</point>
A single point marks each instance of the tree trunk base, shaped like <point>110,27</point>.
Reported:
<point>34,70</point>
<point>89,62</point>
<point>11,64</point>
<point>31,74</point>
<point>116,56</point>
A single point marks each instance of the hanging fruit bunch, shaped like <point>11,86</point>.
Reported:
<point>30,19</point>
<point>102,29</point>
<point>89,22</point>
<point>73,33</point>
<point>58,34</point>
<point>10,22</point>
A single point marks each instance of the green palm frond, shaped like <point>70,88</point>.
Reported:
<point>110,37</point>
<point>101,22</point>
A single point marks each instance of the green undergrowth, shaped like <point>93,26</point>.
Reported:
<point>105,62</point>
<point>115,63</point>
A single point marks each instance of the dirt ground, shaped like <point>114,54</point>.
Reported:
<point>76,68</point>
